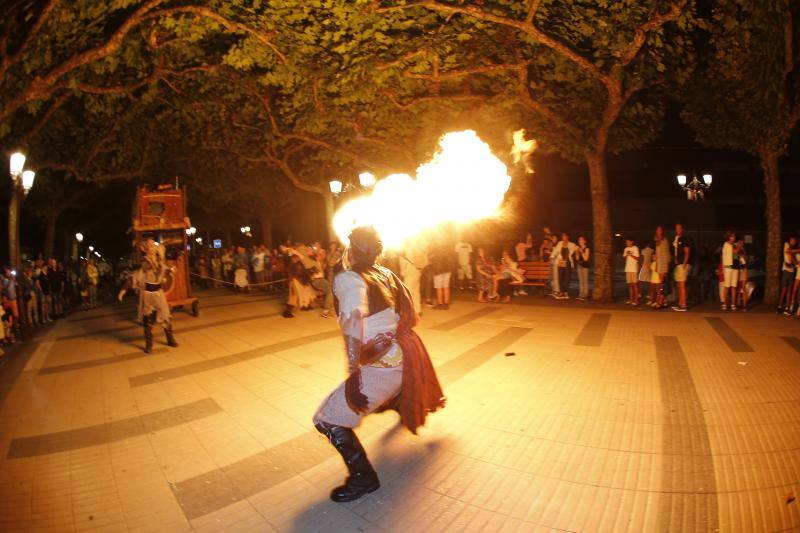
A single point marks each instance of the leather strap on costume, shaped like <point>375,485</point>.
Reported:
<point>152,287</point>
<point>375,349</point>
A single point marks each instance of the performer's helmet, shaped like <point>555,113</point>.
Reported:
<point>365,246</point>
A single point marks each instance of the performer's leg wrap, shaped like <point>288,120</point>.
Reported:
<point>170,337</point>
<point>362,479</point>
<point>147,320</point>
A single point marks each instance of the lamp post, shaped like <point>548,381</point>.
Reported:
<point>76,244</point>
<point>695,189</point>
<point>15,168</point>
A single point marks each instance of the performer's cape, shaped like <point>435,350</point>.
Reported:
<point>420,393</point>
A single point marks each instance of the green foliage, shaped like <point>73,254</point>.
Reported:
<point>307,90</point>
<point>749,95</point>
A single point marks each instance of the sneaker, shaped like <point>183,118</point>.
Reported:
<point>565,296</point>
<point>627,302</point>
<point>680,309</point>
<point>733,308</point>
<point>325,314</point>
<point>287,314</point>
<point>787,313</point>
<point>724,307</point>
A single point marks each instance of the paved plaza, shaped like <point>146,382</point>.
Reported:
<point>558,417</point>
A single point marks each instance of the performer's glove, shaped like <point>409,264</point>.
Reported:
<point>357,401</point>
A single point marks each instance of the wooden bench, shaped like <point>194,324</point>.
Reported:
<point>537,273</point>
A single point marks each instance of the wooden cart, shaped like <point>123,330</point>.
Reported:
<point>161,215</point>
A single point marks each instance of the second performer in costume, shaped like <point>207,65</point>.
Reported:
<point>153,307</point>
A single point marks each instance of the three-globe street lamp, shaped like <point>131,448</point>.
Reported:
<point>246,231</point>
<point>695,189</point>
<point>21,183</point>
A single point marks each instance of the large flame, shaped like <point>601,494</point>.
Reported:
<point>463,182</point>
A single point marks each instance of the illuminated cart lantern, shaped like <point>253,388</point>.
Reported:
<point>161,215</point>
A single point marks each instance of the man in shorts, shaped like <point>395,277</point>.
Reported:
<point>442,270</point>
<point>730,270</point>
<point>631,256</point>
<point>463,252</point>
<point>682,253</point>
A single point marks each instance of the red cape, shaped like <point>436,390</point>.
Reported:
<point>420,392</point>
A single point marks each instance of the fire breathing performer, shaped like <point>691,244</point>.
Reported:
<point>388,365</point>
<point>153,306</point>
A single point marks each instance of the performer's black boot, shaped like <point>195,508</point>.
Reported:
<point>148,334</point>
<point>170,337</point>
<point>287,313</point>
<point>362,479</point>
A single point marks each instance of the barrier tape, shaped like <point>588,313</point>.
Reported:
<point>264,284</point>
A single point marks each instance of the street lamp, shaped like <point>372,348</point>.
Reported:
<point>91,248</point>
<point>27,180</point>
<point>191,231</point>
<point>366,179</point>
<point>246,231</point>
<point>16,166</point>
<point>695,189</point>
<point>79,237</point>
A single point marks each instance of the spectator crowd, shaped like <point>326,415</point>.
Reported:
<point>667,271</point>
<point>44,290</point>
<point>662,272</point>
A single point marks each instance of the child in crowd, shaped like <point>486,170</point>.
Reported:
<point>631,256</point>
<point>8,321</point>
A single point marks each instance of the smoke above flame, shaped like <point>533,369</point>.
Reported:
<point>522,149</point>
<point>463,182</point>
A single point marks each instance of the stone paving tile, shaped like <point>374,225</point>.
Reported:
<point>594,330</point>
<point>734,341</point>
<point>211,364</point>
<point>103,433</point>
<point>650,423</point>
<point>463,320</point>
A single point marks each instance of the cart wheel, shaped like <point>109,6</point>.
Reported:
<point>196,308</point>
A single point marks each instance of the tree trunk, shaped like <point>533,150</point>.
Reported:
<point>266,228</point>
<point>601,223</point>
<point>50,234</point>
<point>228,237</point>
<point>329,212</point>
<point>13,227</point>
<point>772,187</point>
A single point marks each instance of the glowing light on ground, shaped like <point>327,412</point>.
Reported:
<point>463,182</point>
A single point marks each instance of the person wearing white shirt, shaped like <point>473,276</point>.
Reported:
<point>631,256</point>
<point>257,260</point>
<point>730,269</point>
<point>564,254</point>
<point>413,261</point>
<point>464,269</point>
